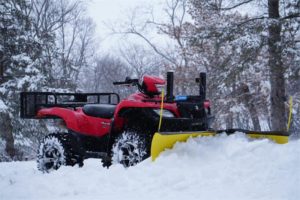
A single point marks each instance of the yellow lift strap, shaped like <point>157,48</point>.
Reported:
<point>290,113</point>
<point>161,109</point>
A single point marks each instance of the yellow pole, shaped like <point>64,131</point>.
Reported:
<point>290,113</point>
<point>161,109</point>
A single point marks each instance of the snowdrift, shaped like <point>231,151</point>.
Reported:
<point>214,168</point>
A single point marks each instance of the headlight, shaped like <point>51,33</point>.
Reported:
<point>165,113</point>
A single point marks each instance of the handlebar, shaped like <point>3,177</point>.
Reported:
<point>120,83</point>
<point>127,81</point>
<point>134,82</point>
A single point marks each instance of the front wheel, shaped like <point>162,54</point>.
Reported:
<point>129,149</point>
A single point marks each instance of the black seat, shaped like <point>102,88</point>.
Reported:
<point>99,110</point>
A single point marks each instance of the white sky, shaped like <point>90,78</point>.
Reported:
<point>114,11</point>
<point>118,11</point>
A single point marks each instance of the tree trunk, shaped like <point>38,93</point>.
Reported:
<point>248,100</point>
<point>6,133</point>
<point>278,119</point>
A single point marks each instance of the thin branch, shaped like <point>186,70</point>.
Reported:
<point>152,46</point>
<point>251,19</point>
<point>294,15</point>
<point>237,5</point>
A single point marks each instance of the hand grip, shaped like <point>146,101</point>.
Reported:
<point>120,83</point>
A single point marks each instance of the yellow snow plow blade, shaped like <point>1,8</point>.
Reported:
<point>166,140</point>
<point>280,139</point>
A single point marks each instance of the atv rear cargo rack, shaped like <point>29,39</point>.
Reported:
<point>32,102</point>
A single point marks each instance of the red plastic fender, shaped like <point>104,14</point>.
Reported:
<point>77,121</point>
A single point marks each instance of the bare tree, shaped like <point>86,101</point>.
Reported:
<point>141,60</point>
<point>100,76</point>
<point>49,17</point>
<point>67,36</point>
<point>175,54</point>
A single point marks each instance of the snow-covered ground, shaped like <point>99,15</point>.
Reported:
<point>219,168</point>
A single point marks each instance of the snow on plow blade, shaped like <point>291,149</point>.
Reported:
<point>166,140</point>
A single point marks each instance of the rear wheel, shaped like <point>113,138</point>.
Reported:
<point>57,150</point>
<point>129,149</point>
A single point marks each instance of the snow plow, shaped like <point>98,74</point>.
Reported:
<point>99,125</point>
<point>166,140</point>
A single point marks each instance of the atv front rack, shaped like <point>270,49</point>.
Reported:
<point>32,102</point>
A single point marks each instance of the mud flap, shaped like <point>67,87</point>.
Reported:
<point>166,140</point>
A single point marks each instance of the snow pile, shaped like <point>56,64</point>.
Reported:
<point>223,167</point>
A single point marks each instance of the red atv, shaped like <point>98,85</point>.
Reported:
<point>99,126</point>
